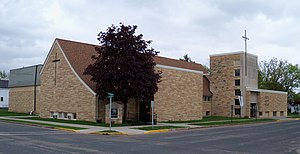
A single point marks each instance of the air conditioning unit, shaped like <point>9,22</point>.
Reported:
<point>70,116</point>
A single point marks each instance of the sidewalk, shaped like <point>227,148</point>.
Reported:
<point>129,130</point>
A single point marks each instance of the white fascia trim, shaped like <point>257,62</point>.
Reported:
<point>75,72</point>
<point>267,91</point>
<point>179,69</point>
<point>231,53</point>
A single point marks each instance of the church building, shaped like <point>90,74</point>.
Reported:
<point>187,91</point>
<point>66,93</point>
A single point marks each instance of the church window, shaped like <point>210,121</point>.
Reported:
<point>236,102</point>
<point>237,111</point>
<point>1,99</point>
<point>237,92</point>
<point>237,72</point>
<point>237,82</point>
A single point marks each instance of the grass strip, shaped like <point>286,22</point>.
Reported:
<point>43,124</point>
<point>220,123</point>
<point>4,112</point>
<point>159,127</point>
<point>80,122</point>
<point>293,115</point>
<point>210,118</point>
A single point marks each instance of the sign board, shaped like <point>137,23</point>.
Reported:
<point>152,104</point>
<point>110,95</point>
<point>241,100</point>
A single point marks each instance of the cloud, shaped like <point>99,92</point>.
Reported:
<point>196,27</point>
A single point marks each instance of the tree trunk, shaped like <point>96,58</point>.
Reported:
<point>125,101</point>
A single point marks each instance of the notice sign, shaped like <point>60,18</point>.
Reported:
<point>114,113</point>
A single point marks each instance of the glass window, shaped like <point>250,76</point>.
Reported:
<point>237,82</point>
<point>236,102</point>
<point>281,113</point>
<point>237,92</point>
<point>237,111</point>
<point>237,72</point>
<point>1,99</point>
<point>274,114</point>
<point>207,113</point>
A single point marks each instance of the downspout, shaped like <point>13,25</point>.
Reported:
<point>34,92</point>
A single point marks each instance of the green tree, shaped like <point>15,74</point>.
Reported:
<point>3,75</point>
<point>186,58</point>
<point>124,66</point>
<point>278,75</point>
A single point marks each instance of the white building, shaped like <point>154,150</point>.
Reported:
<point>4,93</point>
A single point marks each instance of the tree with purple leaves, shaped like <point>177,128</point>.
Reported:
<point>124,66</point>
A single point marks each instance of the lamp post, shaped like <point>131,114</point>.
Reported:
<point>110,96</point>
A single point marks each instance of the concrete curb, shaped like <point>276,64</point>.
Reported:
<point>65,129</point>
<point>156,131</point>
<point>109,133</point>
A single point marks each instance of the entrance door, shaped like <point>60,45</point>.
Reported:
<point>253,110</point>
<point>144,111</point>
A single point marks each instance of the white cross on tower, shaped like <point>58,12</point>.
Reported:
<point>245,38</point>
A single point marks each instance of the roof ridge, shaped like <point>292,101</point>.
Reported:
<point>68,40</point>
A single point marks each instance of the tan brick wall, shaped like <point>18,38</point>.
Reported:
<point>207,107</point>
<point>21,99</point>
<point>222,83</point>
<point>272,102</point>
<point>68,94</point>
<point>179,95</point>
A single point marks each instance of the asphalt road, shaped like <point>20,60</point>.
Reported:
<point>280,137</point>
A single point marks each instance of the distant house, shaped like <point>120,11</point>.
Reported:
<point>24,86</point>
<point>4,93</point>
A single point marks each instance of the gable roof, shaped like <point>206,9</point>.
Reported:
<point>25,76</point>
<point>3,83</point>
<point>79,56</point>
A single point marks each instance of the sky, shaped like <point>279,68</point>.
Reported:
<point>198,28</point>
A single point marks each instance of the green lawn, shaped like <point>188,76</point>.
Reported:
<point>43,124</point>
<point>293,115</point>
<point>4,112</point>
<point>227,122</point>
<point>210,118</point>
<point>74,122</point>
<point>159,127</point>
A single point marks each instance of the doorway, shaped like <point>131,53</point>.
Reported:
<point>144,111</point>
<point>253,110</point>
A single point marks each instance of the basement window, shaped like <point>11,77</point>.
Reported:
<point>207,113</point>
<point>274,114</point>
<point>237,111</point>
<point>281,113</point>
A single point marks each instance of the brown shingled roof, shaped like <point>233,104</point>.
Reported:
<point>79,55</point>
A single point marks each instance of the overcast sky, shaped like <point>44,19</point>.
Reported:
<point>176,27</point>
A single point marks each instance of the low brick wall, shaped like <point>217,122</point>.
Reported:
<point>21,99</point>
<point>272,104</point>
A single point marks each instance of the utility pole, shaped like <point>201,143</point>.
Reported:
<point>246,39</point>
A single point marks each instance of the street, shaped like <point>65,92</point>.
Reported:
<point>278,137</point>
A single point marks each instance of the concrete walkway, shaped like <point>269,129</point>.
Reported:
<point>129,130</point>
